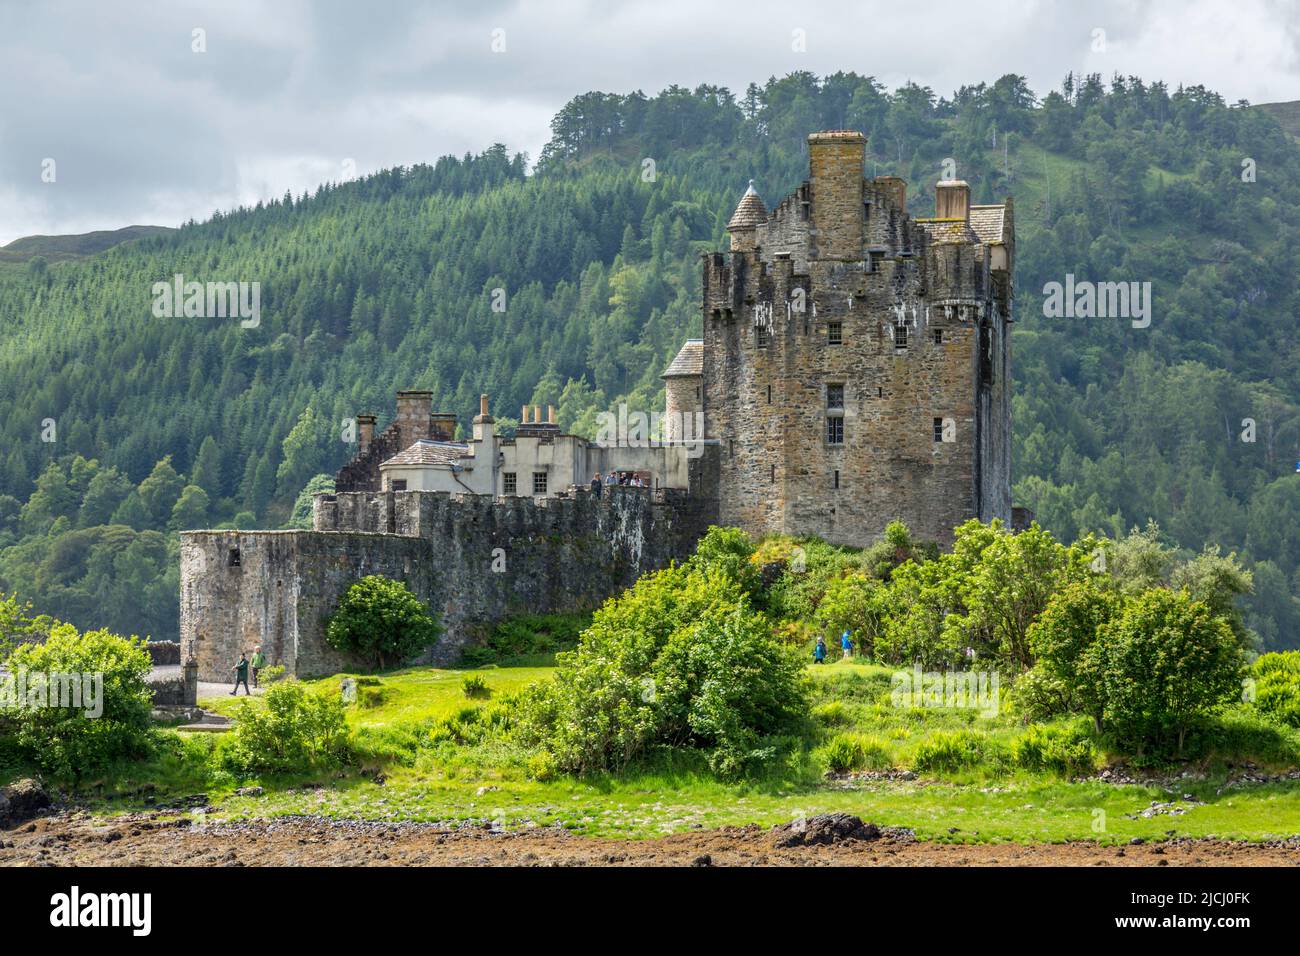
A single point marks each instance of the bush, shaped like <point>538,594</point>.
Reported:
<point>65,740</point>
<point>474,686</point>
<point>271,675</point>
<point>1277,686</point>
<point>1164,663</point>
<point>296,732</point>
<point>527,637</point>
<point>381,619</point>
<point>1066,751</point>
<point>846,752</point>
<point>681,659</point>
<point>949,751</point>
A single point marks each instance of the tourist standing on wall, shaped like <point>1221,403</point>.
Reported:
<point>595,484</point>
<point>258,662</point>
<point>241,675</point>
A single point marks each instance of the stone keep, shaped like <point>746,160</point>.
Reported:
<point>855,364</point>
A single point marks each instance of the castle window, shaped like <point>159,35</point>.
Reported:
<point>539,482</point>
<point>835,333</point>
<point>938,429</point>
<point>835,396</point>
<point>232,559</point>
<point>900,336</point>
<point>835,430</point>
<point>399,484</point>
<point>508,483</point>
<point>877,260</point>
<point>697,393</point>
<point>769,395</point>
<point>773,478</point>
<point>938,336</point>
<point>837,479</point>
<point>760,336</point>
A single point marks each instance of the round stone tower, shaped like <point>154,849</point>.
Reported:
<point>683,392</point>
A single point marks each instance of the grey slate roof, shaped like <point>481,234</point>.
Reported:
<point>750,211</point>
<point>429,452</point>
<point>689,361</point>
<point>988,222</point>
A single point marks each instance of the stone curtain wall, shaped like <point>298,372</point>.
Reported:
<point>474,559</point>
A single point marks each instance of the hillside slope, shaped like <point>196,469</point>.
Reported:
<point>390,282</point>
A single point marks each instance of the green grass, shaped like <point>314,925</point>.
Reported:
<point>673,791</point>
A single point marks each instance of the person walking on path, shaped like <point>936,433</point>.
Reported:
<point>241,675</point>
<point>846,643</point>
<point>819,652</point>
<point>258,662</point>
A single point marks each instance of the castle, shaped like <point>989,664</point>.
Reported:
<point>854,369</point>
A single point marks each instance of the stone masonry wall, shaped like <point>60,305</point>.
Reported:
<point>473,559</point>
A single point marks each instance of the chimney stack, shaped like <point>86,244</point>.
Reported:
<point>952,200</point>
<point>414,415</point>
<point>837,161</point>
<point>484,423</point>
<point>523,415</point>
<point>365,432</point>
<point>550,414</point>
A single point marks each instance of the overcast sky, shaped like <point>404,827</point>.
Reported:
<point>143,129</point>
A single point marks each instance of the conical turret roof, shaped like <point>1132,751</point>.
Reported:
<point>751,211</point>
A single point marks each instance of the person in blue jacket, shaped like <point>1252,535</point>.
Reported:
<point>846,643</point>
<point>819,652</point>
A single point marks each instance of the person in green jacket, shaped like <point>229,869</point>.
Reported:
<point>241,675</point>
<point>258,662</point>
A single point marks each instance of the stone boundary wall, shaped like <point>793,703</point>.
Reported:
<point>474,559</point>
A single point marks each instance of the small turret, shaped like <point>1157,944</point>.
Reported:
<point>749,215</point>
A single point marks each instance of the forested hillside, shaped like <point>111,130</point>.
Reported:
<point>388,282</point>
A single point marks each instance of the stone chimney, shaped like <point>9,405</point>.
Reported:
<point>442,426</point>
<point>837,160</point>
<point>365,432</point>
<point>550,414</point>
<point>414,413</point>
<point>523,415</point>
<point>952,200</point>
<point>484,423</point>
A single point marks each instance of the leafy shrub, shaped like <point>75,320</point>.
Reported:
<point>271,675</point>
<point>949,751</point>
<point>474,686</point>
<point>846,752</point>
<point>1038,694</point>
<point>1241,732</point>
<point>1164,663</point>
<point>65,740</point>
<point>728,551</point>
<point>1277,686</point>
<point>680,659</point>
<point>381,619</point>
<point>297,731</point>
<point>527,637</point>
<point>1066,751</point>
<point>853,603</point>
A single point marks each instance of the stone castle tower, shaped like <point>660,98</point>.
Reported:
<point>855,365</point>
